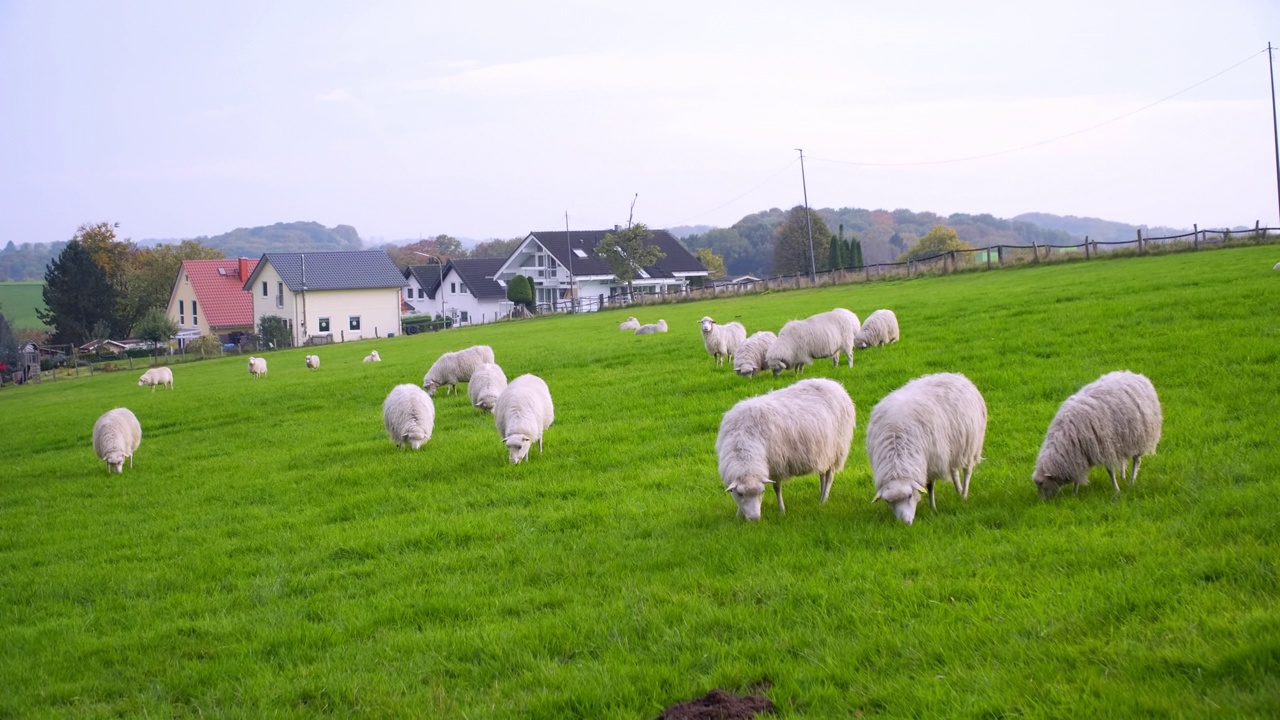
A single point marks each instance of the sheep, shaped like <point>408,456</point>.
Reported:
<point>313,362</point>
<point>823,335</point>
<point>658,327</point>
<point>409,416</point>
<point>881,328</point>
<point>1110,421</point>
<point>157,376</point>
<point>372,357</point>
<point>630,324</point>
<point>257,367</point>
<point>932,427</point>
<point>523,412</point>
<point>749,359</point>
<point>452,368</point>
<point>116,436</point>
<point>803,428</point>
<point>722,341</point>
<point>487,383</point>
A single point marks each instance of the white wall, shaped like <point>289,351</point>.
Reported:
<point>455,298</point>
<point>412,288</point>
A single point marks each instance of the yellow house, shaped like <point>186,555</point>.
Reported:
<point>208,298</point>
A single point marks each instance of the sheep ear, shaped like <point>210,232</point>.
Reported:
<point>877,497</point>
<point>732,487</point>
<point>769,482</point>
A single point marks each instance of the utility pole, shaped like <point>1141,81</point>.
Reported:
<point>1275,130</point>
<point>808,222</point>
<point>573,296</point>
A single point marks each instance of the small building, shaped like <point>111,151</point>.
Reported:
<point>469,294</point>
<point>734,280</point>
<point>208,298</point>
<point>421,285</point>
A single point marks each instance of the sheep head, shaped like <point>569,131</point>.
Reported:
<point>902,496</point>
<point>748,495</point>
<point>115,462</point>
<point>430,386</point>
<point>707,323</point>
<point>1048,485</point>
<point>517,447</point>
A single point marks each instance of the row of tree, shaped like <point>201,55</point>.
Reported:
<point>443,248</point>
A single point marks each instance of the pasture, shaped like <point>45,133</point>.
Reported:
<point>272,553</point>
<point>19,302</point>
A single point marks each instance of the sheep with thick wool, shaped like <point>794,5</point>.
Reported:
<point>257,367</point>
<point>116,436</point>
<point>1111,421</point>
<point>523,412</point>
<point>409,416</point>
<point>454,367</point>
<point>750,358</point>
<point>658,327</point>
<point>373,356</point>
<point>800,429</point>
<point>722,341</point>
<point>881,328</point>
<point>156,376</point>
<point>313,362</point>
<point>933,427</point>
<point>823,335</point>
<point>630,324</point>
<point>487,383</point>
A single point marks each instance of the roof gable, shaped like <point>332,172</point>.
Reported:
<point>219,290</point>
<point>428,277</point>
<point>341,270</point>
<point>478,274</point>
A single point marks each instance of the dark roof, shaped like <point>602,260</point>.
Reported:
<point>342,270</point>
<point>429,277</point>
<point>562,244</point>
<point>478,274</point>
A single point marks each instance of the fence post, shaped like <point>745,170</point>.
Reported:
<point>988,258</point>
<point>1000,254</point>
<point>866,270</point>
<point>953,261</point>
<point>1036,249</point>
<point>1139,241</point>
<point>1086,247</point>
<point>1195,236</point>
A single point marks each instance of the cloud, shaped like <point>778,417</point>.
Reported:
<point>337,95</point>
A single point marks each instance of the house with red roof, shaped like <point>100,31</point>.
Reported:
<point>208,298</point>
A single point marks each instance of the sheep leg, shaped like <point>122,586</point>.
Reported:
<point>968,474</point>
<point>933,497</point>
<point>835,360</point>
<point>849,352</point>
<point>777,490</point>
<point>825,480</point>
<point>955,480</point>
<point>130,462</point>
<point>539,446</point>
<point>1137,462</point>
<point>1112,473</point>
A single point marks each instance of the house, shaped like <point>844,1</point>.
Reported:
<point>208,298</point>
<point>469,294</point>
<point>345,295</point>
<point>567,273</point>
<point>421,285</point>
<point>734,280</point>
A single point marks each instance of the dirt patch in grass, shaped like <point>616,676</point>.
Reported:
<point>719,705</point>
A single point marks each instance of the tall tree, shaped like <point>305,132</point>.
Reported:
<point>8,345</point>
<point>152,272</point>
<point>626,251</point>
<point>156,327</point>
<point>855,252</point>
<point>712,262</point>
<point>835,256</point>
<point>77,295</point>
<point>791,243</point>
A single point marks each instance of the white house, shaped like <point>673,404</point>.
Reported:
<point>564,268</point>
<point>346,295</point>
<point>422,283</point>
<point>469,294</point>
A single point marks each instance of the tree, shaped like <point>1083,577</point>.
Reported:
<point>496,248</point>
<point>77,295</point>
<point>626,251</point>
<point>835,256</point>
<point>941,239</point>
<point>155,327</point>
<point>855,253</point>
<point>520,291</point>
<point>712,262</point>
<point>274,331</point>
<point>152,271</point>
<point>8,344</point>
<point>791,243</point>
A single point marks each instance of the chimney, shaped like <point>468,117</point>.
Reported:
<point>244,269</point>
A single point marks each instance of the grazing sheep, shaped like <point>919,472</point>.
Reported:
<point>523,412</point>
<point>116,436</point>
<point>454,367</point>
<point>487,383</point>
<point>658,327</point>
<point>881,328</point>
<point>930,428</point>
<point>823,335</point>
<point>630,324</point>
<point>409,416</point>
<point>372,357</point>
<point>313,362</point>
<point>722,341</point>
<point>749,359</point>
<point>157,376</point>
<point>1276,266</point>
<point>1110,421</point>
<point>257,367</point>
<point>803,428</point>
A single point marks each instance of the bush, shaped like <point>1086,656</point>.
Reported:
<point>205,346</point>
<point>274,332</point>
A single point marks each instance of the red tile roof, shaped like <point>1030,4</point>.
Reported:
<point>222,298</point>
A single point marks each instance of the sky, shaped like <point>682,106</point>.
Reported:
<point>493,119</point>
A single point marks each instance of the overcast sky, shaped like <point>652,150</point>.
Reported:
<point>492,119</point>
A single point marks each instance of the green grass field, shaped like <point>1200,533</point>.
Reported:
<point>19,301</point>
<point>272,554</point>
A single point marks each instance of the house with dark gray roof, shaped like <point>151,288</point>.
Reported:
<point>421,288</point>
<point>469,294</point>
<point>565,268</point>
<point>339,296</point>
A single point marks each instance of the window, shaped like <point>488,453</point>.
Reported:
<point>353,322</point>
<point>324,324</point>
<point>264,288</point>
<point>421,293</point>
<point>464,288</point>
<point>542,260</point>
<point>580,252</point>
<point>453,288</point>
<point>464,316</point>
<point>279,294</point>
<point>194,320</point>
<point>182,318</point>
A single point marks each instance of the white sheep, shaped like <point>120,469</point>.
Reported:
<point>881,328</point>
<point>116,436</point>
<point>749,359</point>
<point>523,412</point>
<point>800,429</point>
<point>257,367</point>
<point>658,327</point>
<point>372,357</point>
<point>157,376</point>
<point>486,384</point>
<point>409,416</point>
<point>932,427</point>
<point>823,335</point>
<point>452,368</point>
<point>630,324</point>
<point>1110,421</point>
<point>313,362</point>
<point>722,341</point>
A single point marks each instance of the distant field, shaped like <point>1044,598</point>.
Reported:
<point>272,554</point>
<point>18,302</point>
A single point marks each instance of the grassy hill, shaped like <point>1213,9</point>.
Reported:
<point>273,554</point>
<point>19,302</point>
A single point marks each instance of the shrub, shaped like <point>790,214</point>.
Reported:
<point>274,332</point>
